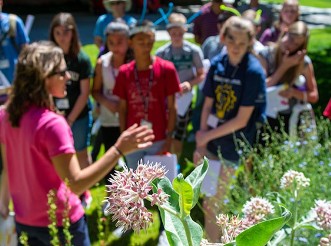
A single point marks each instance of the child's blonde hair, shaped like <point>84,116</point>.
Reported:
<point>241,24</point>
<point>177,20</point>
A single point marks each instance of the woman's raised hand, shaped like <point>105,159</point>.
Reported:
<point>135,137</point>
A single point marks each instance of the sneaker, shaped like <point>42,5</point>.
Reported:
<point>86,199</point>
<point>163,240</point>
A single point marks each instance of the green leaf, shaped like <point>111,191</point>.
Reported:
<point>173,225</point>
<point>195,178</point>
<point>261,233</point>
<point>185,192</point>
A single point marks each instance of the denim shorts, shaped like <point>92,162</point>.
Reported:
<point>39,236</point>
<point>81,131</point>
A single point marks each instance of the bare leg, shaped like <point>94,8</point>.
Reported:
<point>176,147</point>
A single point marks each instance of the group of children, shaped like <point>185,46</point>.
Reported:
<point>137,94</point>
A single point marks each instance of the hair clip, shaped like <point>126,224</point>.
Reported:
<point>231,10</point>
<point>258,16</point>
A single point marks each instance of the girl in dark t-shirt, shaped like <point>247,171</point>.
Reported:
<point>233,108</point>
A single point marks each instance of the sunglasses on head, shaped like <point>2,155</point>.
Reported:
<point>61,73</point>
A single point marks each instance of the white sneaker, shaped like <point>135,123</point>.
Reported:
<point>163,240</point>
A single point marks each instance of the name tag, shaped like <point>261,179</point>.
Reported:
<point>212,121</point>
<point>146,123</point>
<point>4,63</point>
<point>62,103</point>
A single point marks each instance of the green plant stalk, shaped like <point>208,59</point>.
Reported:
<point>186,228</point>
<point>295,216</point>
<point>187,232</point>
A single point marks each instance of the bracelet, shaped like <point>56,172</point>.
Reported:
<point>118,151</point>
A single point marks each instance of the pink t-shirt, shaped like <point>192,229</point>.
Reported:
<point>165,82</point>
<point>42,134</point>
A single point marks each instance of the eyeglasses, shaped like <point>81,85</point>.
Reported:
<point>61,73</point>
<point>116,3</point>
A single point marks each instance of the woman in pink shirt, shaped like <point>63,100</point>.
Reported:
<point>38,152</point>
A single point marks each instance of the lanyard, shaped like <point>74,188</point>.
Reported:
<point>234,71</point>
<point>145,99</point>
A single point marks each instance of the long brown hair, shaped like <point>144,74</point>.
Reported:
<point>300,29</point>
<point>68,21</point>
<point>35,63</point>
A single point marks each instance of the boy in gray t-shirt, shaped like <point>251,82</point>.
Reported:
<point>187,59</point>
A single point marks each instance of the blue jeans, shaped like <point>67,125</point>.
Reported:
<point>81,131</point>
<point>133,158</point>
<point>39,236</point>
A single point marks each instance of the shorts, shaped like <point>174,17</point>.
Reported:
<point>81,131</point>
<point>181,124</point>
<point>40,235</point>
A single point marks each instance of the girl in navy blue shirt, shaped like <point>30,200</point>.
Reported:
<point>233,108</point>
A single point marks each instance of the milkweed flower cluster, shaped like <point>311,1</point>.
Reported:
<point>127,192</point>
<point>292,177</point>
<point>257,208</point>
<point>254,210</point>
<point>230,227</point>
<point>322,211</point>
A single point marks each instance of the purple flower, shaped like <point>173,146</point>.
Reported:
<point>127,192</point>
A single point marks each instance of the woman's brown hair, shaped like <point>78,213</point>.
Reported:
<point>36,62</point>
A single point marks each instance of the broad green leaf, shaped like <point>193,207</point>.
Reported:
<point>172,223</point>
<point>195,178</point>
<point>261,233</point>
<point>230,244</point>
<point>185,192</point>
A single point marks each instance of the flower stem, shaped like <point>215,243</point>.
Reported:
<point>186,227</point>
<point>187,232</point>
<point>295,217</point>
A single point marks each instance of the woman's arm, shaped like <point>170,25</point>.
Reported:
<point>97,93</point>
<point>4,189</point>
<point>311,95</point>
<point>81,101</point>
<point>67,166</point>
<point>287,62</point>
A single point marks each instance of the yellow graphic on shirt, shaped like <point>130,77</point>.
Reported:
<point>225,99</point>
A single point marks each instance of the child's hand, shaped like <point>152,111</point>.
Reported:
<point>185,87</point>
<point>294,59</point>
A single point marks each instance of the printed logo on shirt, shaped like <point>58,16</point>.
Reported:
<point>74,75</point>
<point>221,79</point>
<point>225,99</point>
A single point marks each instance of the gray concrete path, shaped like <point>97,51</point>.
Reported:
<point>314,17</point>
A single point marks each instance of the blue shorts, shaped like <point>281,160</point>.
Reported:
<point>81,131</point>
<point>39,236</point>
